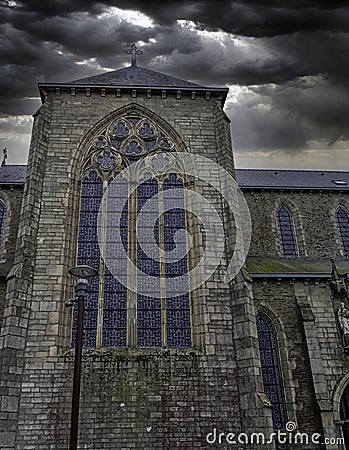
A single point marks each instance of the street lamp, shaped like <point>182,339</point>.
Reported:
<point>82,273</point>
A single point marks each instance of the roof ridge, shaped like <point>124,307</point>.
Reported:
<point>293,170</point>
<point>136,75</point>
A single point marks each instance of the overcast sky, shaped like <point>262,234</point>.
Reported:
<point>286,64</point>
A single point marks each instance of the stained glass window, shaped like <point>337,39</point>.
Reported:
<point>344,415</point>
<point>150,313</point>
<point>271,373</point>
<point>343,225</point>
<point>287,232</point>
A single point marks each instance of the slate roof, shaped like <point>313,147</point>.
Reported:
<point>137,77</point>
<point>12,174</point>
<point>292,179</point>
<point>246,178</point>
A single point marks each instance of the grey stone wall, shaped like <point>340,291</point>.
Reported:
<point>314,217</point>
<point>12,199</point>
<point>303,310</point>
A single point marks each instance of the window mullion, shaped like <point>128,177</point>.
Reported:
<point>162,263</point>
<point>131,268</point>
<point>103,225</point>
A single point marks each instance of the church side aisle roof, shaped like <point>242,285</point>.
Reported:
<point>246,178</point>
<point>292,179</point>
<point>13,174</point>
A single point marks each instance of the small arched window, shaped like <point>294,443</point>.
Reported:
<point>271,372</point>
<point>343,226</point>
<point>287,232</point>
<point>344,415</point>
<point>2,217</point>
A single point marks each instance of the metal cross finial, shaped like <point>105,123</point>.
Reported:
<point>134,52</point>
<point>4,151</point>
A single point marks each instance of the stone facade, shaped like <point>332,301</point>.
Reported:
<point>296,294</point>
<point>11,196</point>
<point>164,398</point>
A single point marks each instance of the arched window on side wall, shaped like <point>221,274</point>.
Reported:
<point>2,217</point>
<point>344,415</point>
<point>343,226</point>
<point>287,232</point>
<point>271,372</point>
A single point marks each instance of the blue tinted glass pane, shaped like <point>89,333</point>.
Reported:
<point>148,321</point>
<point>114,338</point>
<point>148,303</point>
<point>178,338</point>
<point>271,374</point>
<point>117,224</point>
<point>178,321</point>
<point>176,268</point>
<point>343,223</point>
<point>149,337</point>
<point>114,312</point>
<point>146,190</point>
<point>149,318</point>
<point>149,266</point>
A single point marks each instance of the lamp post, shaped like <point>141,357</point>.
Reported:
<point>82,273</point>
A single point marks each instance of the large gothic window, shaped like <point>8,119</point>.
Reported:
<point>287,232</point>
<point>133,302</point>
<point>343,226</point>
<point>344,415</point>
<point>271,373</point>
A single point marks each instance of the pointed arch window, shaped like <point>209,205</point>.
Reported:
<point>124,309</point>
<point>289,246</point>
<point>271,372</point>
<point>343,227</point>
<point>2,217</point>
<point>344,415</point>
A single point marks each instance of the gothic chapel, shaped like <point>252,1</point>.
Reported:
<point>165,366</point>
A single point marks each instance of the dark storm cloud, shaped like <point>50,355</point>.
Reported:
<point>286,118</point>
<point>291,55</point>
<point>244,17</point>
<point>250,17</point>
<point>48,49</point>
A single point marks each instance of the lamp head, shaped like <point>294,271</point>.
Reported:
<point>82,271</point>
